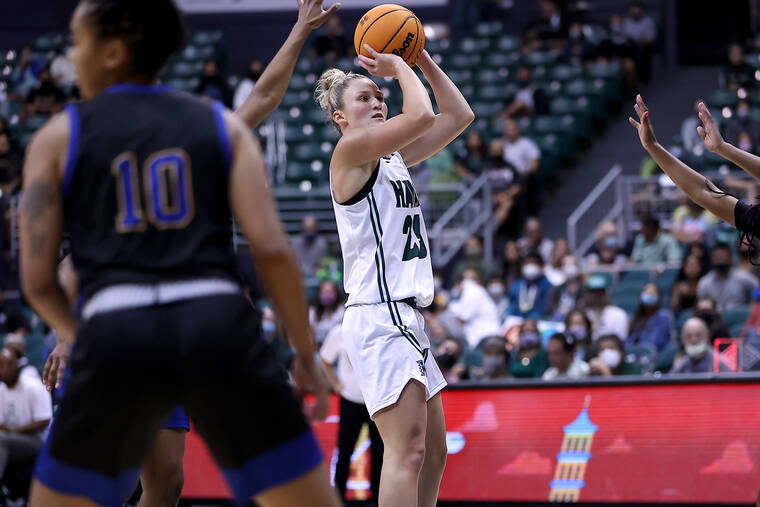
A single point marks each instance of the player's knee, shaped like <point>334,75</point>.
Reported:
<point>175,481</point>
<point>166,486</point>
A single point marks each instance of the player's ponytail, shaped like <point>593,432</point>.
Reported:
<point>330,88</point>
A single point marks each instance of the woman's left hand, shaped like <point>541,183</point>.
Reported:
<point>644,125</point>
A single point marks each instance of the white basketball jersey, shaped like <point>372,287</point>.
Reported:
<point>386,254</point>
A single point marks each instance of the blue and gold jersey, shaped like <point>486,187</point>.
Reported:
<point>145,188</point>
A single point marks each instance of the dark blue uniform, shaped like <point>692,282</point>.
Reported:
<point>146,205</point>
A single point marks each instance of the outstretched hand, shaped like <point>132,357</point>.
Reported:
<point>311,13</point>
<point>55,366</point>
<point>644,125</point>
<point>708,131</point>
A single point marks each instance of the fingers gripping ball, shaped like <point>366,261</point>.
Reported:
<point>390,28</point>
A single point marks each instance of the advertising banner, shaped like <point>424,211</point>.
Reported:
<point>633,443</point>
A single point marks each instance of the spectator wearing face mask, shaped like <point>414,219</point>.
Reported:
<point>578,326</point>
<point>684,295</point>
<point>564,298</point>
<point>473,307</point>
<point>562,359</point>
<point>706,309</point>
<point>529,360</point>
<point>213,86</point>
<point>309,246</point>
<point>698,358</point>
<point>529,295</point>
<point>737,73</point>
<point>691,222</point>
<point>742,122</point>
<point>533,240</point>
<point>653,246</point>
<point>511,264</point>
<point>16,343</point>
<point>494,360</point>
<point>555,270</point>
<point>474,258</point>
<point>45,99</point>
<point>528,100</point>
<point>607,249</point>
<point>610,358</point>
<point>448,355</point>
<point>728,286</point>
<point>605,317</point>
<point>651,323</point>
<point>245,87</point>
<point>498,292</point>
<point>328,311</point>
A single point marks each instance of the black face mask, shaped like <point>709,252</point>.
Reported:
<point>722,268</point>
<point>708,317</point>
<point>446,361</point>
<point>254,75</point>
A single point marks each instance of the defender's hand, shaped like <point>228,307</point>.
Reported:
<point>308,377</point>
<point>311,13</point>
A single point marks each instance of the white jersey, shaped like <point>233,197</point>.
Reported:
<point>386,253</point>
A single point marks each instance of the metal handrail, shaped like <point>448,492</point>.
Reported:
<point>482,221</point>
<point>588,202</point>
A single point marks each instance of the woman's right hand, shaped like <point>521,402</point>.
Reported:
<point>381,64</point>
<point>708,131</point>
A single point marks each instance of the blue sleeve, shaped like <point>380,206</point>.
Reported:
<point>73,151</point>
<point>224,138</point>
<point>659,331</point>
<point>512,309</point>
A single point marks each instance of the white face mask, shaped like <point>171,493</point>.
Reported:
<point>496,290</point>
<point>571,271</point>
<point>611,357</point>
<point>531,271</point>
<point>697,350</point>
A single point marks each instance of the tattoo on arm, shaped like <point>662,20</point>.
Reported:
<point>36,201</point>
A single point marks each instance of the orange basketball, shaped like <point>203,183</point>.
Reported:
<point>390,28</point>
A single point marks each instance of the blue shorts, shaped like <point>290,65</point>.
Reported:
<point>204,355</point>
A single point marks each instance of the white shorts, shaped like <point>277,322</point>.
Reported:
<point>388,347</point>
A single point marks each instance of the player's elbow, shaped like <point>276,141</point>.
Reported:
<point>35,285</point>
<point>423,121</point>
<point>272,250</point>
<point>466,118</point>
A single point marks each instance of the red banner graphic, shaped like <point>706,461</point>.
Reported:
<point>634,443</point>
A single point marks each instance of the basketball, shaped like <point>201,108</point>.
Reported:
<point>390,28</point>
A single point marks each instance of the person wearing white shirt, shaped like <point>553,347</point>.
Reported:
<point>353,412</point>
<point>16,342</point>
<point>475,309</point>
<point>25,412</point>
<point>245,87</point>
<point>605,317</point>
<point>562,358</point>
<point>519,152</point>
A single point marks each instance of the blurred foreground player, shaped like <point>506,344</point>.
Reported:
<point>163,321</point>
<point>162,474</point>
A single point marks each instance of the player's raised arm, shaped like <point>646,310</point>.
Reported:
<point>714,142</point>
<point>41,226</point>
<point>271,86</point>
<point>455,114</point>
<point>699,189</point>
<point>252,204</point>
<point>362,145</point>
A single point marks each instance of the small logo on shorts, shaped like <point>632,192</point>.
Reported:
<point>421,364</point>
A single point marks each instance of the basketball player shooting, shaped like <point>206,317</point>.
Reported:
<point>388,273</point>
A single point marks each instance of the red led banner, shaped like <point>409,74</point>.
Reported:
<point>602,443</point>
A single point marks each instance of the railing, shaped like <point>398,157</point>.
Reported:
<point>602,203</point>
<point>470,213</point>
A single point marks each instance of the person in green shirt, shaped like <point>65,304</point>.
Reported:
<point>610,358</point>
<point>653,245</point>
<point>529,359</point>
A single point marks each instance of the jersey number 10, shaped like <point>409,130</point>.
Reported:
<point>167,188</point>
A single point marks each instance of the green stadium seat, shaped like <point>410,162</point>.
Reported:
<point>497,93</point>
<point>643,356</point>
<point>507,43</point>
<point>299,82</point>
<point>682,318</point>
<point>501,60</point>
<point>486,110</point>
<point>463,61</point>
<point>312,114</point>
<point>722,98</point>
<point>184,85</point>
<point>627,301</point>
<point>735,317</point>
<point>299,171</point>
<point>470,45</point>
<point>309,151</point>
<point>635,277</point>
<point>296,99</point>
<point>549,168</point>
<point>207,37</point>
<point>665,281</point>
<point>536,58</point>
<point>32,123</point>
<point>564,127</point>
<point>488,28</point>
<point>488,77</point>
<point>460,77</point>
<point>565,72</point>
<point>184,69</point>
<point>45,43</point>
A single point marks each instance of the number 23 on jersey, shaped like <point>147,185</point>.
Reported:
<point>167,191</point>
